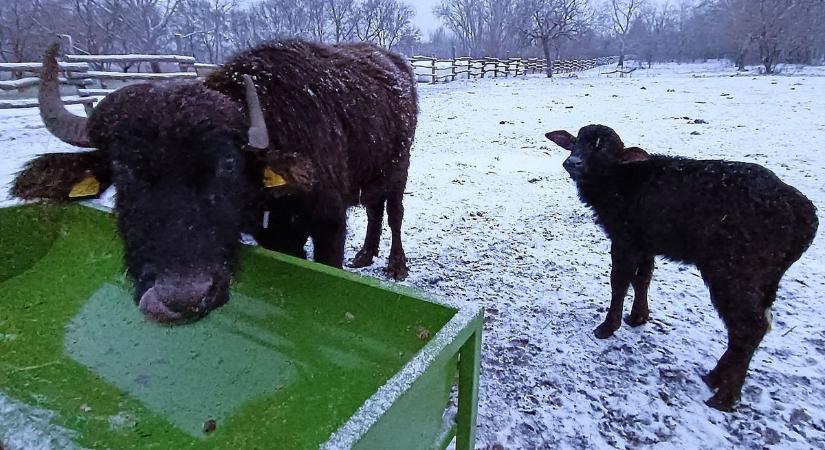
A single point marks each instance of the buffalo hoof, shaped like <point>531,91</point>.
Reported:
<point>362,259</point>
<point>723,401</point>
<point>606,329</point>
<point>397,268</point>
<point>636,320</point>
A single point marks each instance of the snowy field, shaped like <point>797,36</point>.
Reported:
<point>492,219</point>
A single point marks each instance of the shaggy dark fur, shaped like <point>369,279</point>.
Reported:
<point>52,176</point>
<point>737,222</point>
<point>340,120</point>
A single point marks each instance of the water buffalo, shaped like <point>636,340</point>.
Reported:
<point>278,143</point>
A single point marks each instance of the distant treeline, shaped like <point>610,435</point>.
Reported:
<point>763,32</point>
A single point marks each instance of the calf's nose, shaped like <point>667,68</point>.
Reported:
<point>573,162</point>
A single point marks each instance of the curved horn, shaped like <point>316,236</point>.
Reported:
<point>66,126</point>
<point>258,136</point>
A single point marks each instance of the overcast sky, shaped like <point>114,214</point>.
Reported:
<point>424,17</point>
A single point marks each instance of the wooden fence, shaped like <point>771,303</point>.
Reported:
<point>434,70</point>
<point>79,71</point>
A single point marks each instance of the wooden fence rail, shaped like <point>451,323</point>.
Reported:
<point>434,70</point>
<point>81,72</point>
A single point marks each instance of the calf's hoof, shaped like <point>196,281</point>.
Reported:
<point>637,320</point>
<point>362,259</point>
<point>397,268</point>
<point>723,401</point>
<point>712,379</point>
<point>606,329</point>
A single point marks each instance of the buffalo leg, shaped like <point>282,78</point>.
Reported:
<point>640,313</point>
<point>328,239</point>
<point>284,238</point>
<point>623,268</point>
<point>375,220</point>
<point>397,267</point>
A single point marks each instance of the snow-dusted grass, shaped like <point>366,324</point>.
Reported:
<point>492,219</point>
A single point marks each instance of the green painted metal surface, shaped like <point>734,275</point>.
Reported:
<point>293,356</point>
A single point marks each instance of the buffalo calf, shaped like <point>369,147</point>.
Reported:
<point>737,222</point>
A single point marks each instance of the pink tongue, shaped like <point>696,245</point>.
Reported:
<point>151,306</point>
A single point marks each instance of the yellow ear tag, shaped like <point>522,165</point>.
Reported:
<point>272,179</point>
<point>85,188</point>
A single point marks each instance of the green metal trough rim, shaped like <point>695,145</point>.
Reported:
<point>462,335</point>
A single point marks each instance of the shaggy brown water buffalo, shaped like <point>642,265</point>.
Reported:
<point>737,222</point>
<point>278,143</point>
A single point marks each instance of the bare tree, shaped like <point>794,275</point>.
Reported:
<point>772,19</point>
<point>385,22</point>
<point>652,32</point>
<point>317,19</point>
<point>465,18</point>
<point>205,25</point>
<point>623,13</point>
<point>500,20</point>
<point>738,20</point>
<point>146,24</point>
<point>97,25</point>
<point>18,29</point>
<point>547,21</point>
<point>342,19</point>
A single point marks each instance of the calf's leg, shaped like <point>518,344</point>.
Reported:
<point>744,307</point>
<point>640,313</point>
<point>624,263</point>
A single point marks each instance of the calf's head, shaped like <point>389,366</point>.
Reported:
<point>595,152</point>
<point>177,154</point>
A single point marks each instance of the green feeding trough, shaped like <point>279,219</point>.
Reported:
<point>303,356</point>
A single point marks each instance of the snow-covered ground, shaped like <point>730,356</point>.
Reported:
<point>492,219</point>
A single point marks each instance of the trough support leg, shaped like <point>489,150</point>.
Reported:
<point>468,371</point>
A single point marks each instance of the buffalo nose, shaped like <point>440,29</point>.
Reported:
<point>176,300</point>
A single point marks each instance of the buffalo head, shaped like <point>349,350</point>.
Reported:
<point>177,154</point>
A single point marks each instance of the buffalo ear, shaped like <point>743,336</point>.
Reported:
<point>562,138</point>
<point>634,154</point>
<point>295,171</point>
<point>63,177</point>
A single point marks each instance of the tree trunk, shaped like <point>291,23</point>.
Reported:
<point>621,55</point>
<point>740,61</point>
<point>769,55</point>
<point>545,45</point>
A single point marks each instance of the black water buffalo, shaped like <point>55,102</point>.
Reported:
<point>737,222</point>
<point>278,143</point>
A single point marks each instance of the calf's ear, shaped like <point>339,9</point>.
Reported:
<point>562,138</point>
<point>634,154</point>
<point>63,177</point>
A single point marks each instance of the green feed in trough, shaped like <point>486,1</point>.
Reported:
<point>303,356</point>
